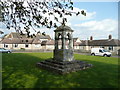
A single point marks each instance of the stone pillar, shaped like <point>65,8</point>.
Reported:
<point>63,54</point>
<point>63,40</point>
<point>56,41</point>
<point>56,44</point>
<point>71,42</point>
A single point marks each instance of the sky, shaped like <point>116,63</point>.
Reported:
<point>100,21</point>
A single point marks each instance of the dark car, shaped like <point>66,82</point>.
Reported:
<point>3,50</point>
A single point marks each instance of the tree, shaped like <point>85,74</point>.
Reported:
<point>29,14</point>
<point>1,32</point>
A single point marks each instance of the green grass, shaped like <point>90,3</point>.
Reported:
<point>19,71</point>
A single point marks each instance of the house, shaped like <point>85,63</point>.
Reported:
<point>113,45</point>
<point>16,41</point>
<point>42,37</point>
<point>76,43</point>
<point>48,45</point>
<point>0,38</point>
<point>76,40</point>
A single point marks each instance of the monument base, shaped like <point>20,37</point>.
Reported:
<point>63,67</point>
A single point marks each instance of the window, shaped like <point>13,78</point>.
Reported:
<point>101,51</point>
<point>15,45</point>
<point>26,45</point>
<point>101,46</point>
<point>37,45</point>
<point>26,40</point>
<point>6,46</point>
<point>110,48</point>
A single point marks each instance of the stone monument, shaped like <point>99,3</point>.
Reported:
<point>63,60</point>
<point>65,53</point>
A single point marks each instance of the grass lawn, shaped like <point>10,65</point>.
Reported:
<point>19,71</point>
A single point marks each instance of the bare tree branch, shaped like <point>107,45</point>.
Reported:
<point>17,15</point>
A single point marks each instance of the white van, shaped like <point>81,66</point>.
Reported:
<point>100,52</point>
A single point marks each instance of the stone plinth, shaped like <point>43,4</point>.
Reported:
<point>63,67</point>
<point>63,61</point>
<point>63,55</point>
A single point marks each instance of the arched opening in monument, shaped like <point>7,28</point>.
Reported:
<point>59,41</point>
<point>67,41</point>
<point>63,60</point>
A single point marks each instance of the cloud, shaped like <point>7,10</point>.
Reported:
<point>103,25</point>
<point>71,20</point>
<point>89,15</point>
<point>83,26</point>
<point>95,0</point>
<point>74,18</point>
<point>97,29</point>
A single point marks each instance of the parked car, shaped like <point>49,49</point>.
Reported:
<point>100,52</point>
<point>3,50</point>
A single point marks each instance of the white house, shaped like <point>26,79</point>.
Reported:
<point>113,45</point>
<point>16,41</point>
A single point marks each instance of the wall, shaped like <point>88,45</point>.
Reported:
<point>43,40</point>
<point>9,46</point>
<point>76,47</point>
<point>88,48</point>
<point>50,47</point>
<point>30,46</point>
<point>36,46</point>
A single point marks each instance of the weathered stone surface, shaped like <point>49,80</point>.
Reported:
<point>63,61</point>
<point>63,55</point>
<point>63,67</point>
<point>62,28</point>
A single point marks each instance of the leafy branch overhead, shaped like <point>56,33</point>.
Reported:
<point>29,14</point>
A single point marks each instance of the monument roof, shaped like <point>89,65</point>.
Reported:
<point>63,27</point>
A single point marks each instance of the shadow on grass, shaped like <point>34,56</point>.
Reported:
<point>20,71</point>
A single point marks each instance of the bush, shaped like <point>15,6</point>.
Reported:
<point>22,49</point>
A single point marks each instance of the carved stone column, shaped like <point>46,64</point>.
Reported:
<point>63,59</point>
<point>63,40</point>
<point>64,54</point>
<point>56,41</point>
<point>71,42</point>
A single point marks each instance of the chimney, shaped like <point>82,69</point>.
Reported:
<point>91,38</point>
<point>110,37</point>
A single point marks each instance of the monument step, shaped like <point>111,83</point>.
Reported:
<point>63,68</point>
